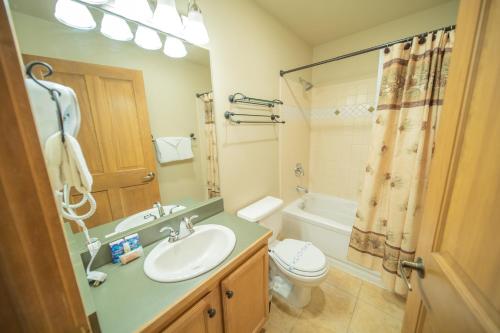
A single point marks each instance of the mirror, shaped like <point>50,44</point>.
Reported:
<point>147,130</point>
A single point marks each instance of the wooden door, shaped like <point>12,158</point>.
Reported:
<point>115,136</point>
<point>203,317</point>
<point>245,295</point>
<point>459,239</point>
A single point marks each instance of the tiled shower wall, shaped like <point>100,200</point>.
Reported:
<point>341,119</point>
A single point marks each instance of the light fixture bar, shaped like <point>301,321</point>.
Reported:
<point>107,11</point>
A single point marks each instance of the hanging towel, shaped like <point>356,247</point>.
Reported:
<point>66,163</point>
<point>170,149</point>
<point>45,111</point>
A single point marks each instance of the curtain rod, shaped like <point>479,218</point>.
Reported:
<point>359,52</point>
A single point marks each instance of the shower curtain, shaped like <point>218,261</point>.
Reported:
<point>404,130</point>
<point>213,181</point>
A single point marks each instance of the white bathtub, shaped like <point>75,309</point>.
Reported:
<point>325,221</point>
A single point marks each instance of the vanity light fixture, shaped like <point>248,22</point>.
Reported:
<point>74,14</point>
<point>195,30</point>
<point>116,28</point>
<point>167,18</point>
<point>147,38</point>
<point>118,13</point>
<point>174,48</point>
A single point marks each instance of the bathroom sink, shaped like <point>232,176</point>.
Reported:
<point>194,255</point>
<point>144,217</point>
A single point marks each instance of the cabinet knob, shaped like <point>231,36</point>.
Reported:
<point>211,312</point>
<point>229,293</point>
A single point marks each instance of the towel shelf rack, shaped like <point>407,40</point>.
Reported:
<point>239,98</point>
<point>275,119</point>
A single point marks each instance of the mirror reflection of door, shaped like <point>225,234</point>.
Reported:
<point>115,136</point>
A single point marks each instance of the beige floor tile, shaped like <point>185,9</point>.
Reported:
<point>368,319</point>
<point>330,308</point>
<point>383,300</point>
<point>344,281</point>
<point>309,326</point>
<point>282,317</point>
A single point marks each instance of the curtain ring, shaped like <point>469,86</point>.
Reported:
<point>387,50</point>
<point>407,45</point>
<point>421,39</point>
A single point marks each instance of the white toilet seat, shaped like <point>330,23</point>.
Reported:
<point>299,259</point>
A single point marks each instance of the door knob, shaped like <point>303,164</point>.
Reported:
<point>229,293</point>
<point>417,265</point>
<point>149,177</point>
<point>211,312</point>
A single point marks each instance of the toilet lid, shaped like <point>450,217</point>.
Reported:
<point>299,257</point>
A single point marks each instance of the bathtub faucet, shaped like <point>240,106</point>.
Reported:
<point>301,189</point>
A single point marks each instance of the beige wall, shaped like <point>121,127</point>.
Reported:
<point>365,66</point>
<point>340,143</point>
<point>170,86</point>
<point>247,49</point>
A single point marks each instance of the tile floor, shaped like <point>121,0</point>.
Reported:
<point>344,304</point>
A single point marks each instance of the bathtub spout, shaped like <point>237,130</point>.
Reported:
<point>301,189</point>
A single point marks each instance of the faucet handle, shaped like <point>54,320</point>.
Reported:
<point>172,236</point>
<point>188,221</point>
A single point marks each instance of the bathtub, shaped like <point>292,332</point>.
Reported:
<point>326,221</point>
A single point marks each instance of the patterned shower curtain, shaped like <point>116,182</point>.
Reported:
<point>404,131</point>
<point>213,181</point>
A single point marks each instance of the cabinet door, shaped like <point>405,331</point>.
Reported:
<point>245,295</point>
<point>203,317</point>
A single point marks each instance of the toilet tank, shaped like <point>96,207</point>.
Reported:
<point>267,212</point>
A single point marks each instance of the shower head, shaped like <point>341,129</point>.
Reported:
<point>306,85</point>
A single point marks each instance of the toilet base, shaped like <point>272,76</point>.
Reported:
<point>300,295</point>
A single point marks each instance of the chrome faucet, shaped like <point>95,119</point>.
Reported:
<point>171,210</point>
<point>172,235</point>
<point>158,206</point>
<point>186,228</point>
<point>301,189</point>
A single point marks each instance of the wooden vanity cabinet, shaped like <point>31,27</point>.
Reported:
<point>203,317</point>
<point>237,304</point>
<point>245,295</point>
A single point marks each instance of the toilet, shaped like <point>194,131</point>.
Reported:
<point>296,266</point>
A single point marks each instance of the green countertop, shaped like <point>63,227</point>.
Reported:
<point>129,299</point>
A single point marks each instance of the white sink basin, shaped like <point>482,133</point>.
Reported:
<point>145,217</point>
<point>194,255</point>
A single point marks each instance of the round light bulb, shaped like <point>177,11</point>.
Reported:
<point>195,31</point>
<point>116,28</point>
<point>147,38</point>
<point>167,18</point>
<point>74,14</point>
<point>174,47</point>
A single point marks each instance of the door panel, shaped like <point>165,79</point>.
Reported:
<point>115,136</point>
<point>459,237</point>
<point>245,295</point>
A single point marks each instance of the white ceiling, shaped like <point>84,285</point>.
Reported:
<point>320,21</point>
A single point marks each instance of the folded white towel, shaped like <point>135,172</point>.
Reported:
<point>170,149</point>
<point>66,163</point>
